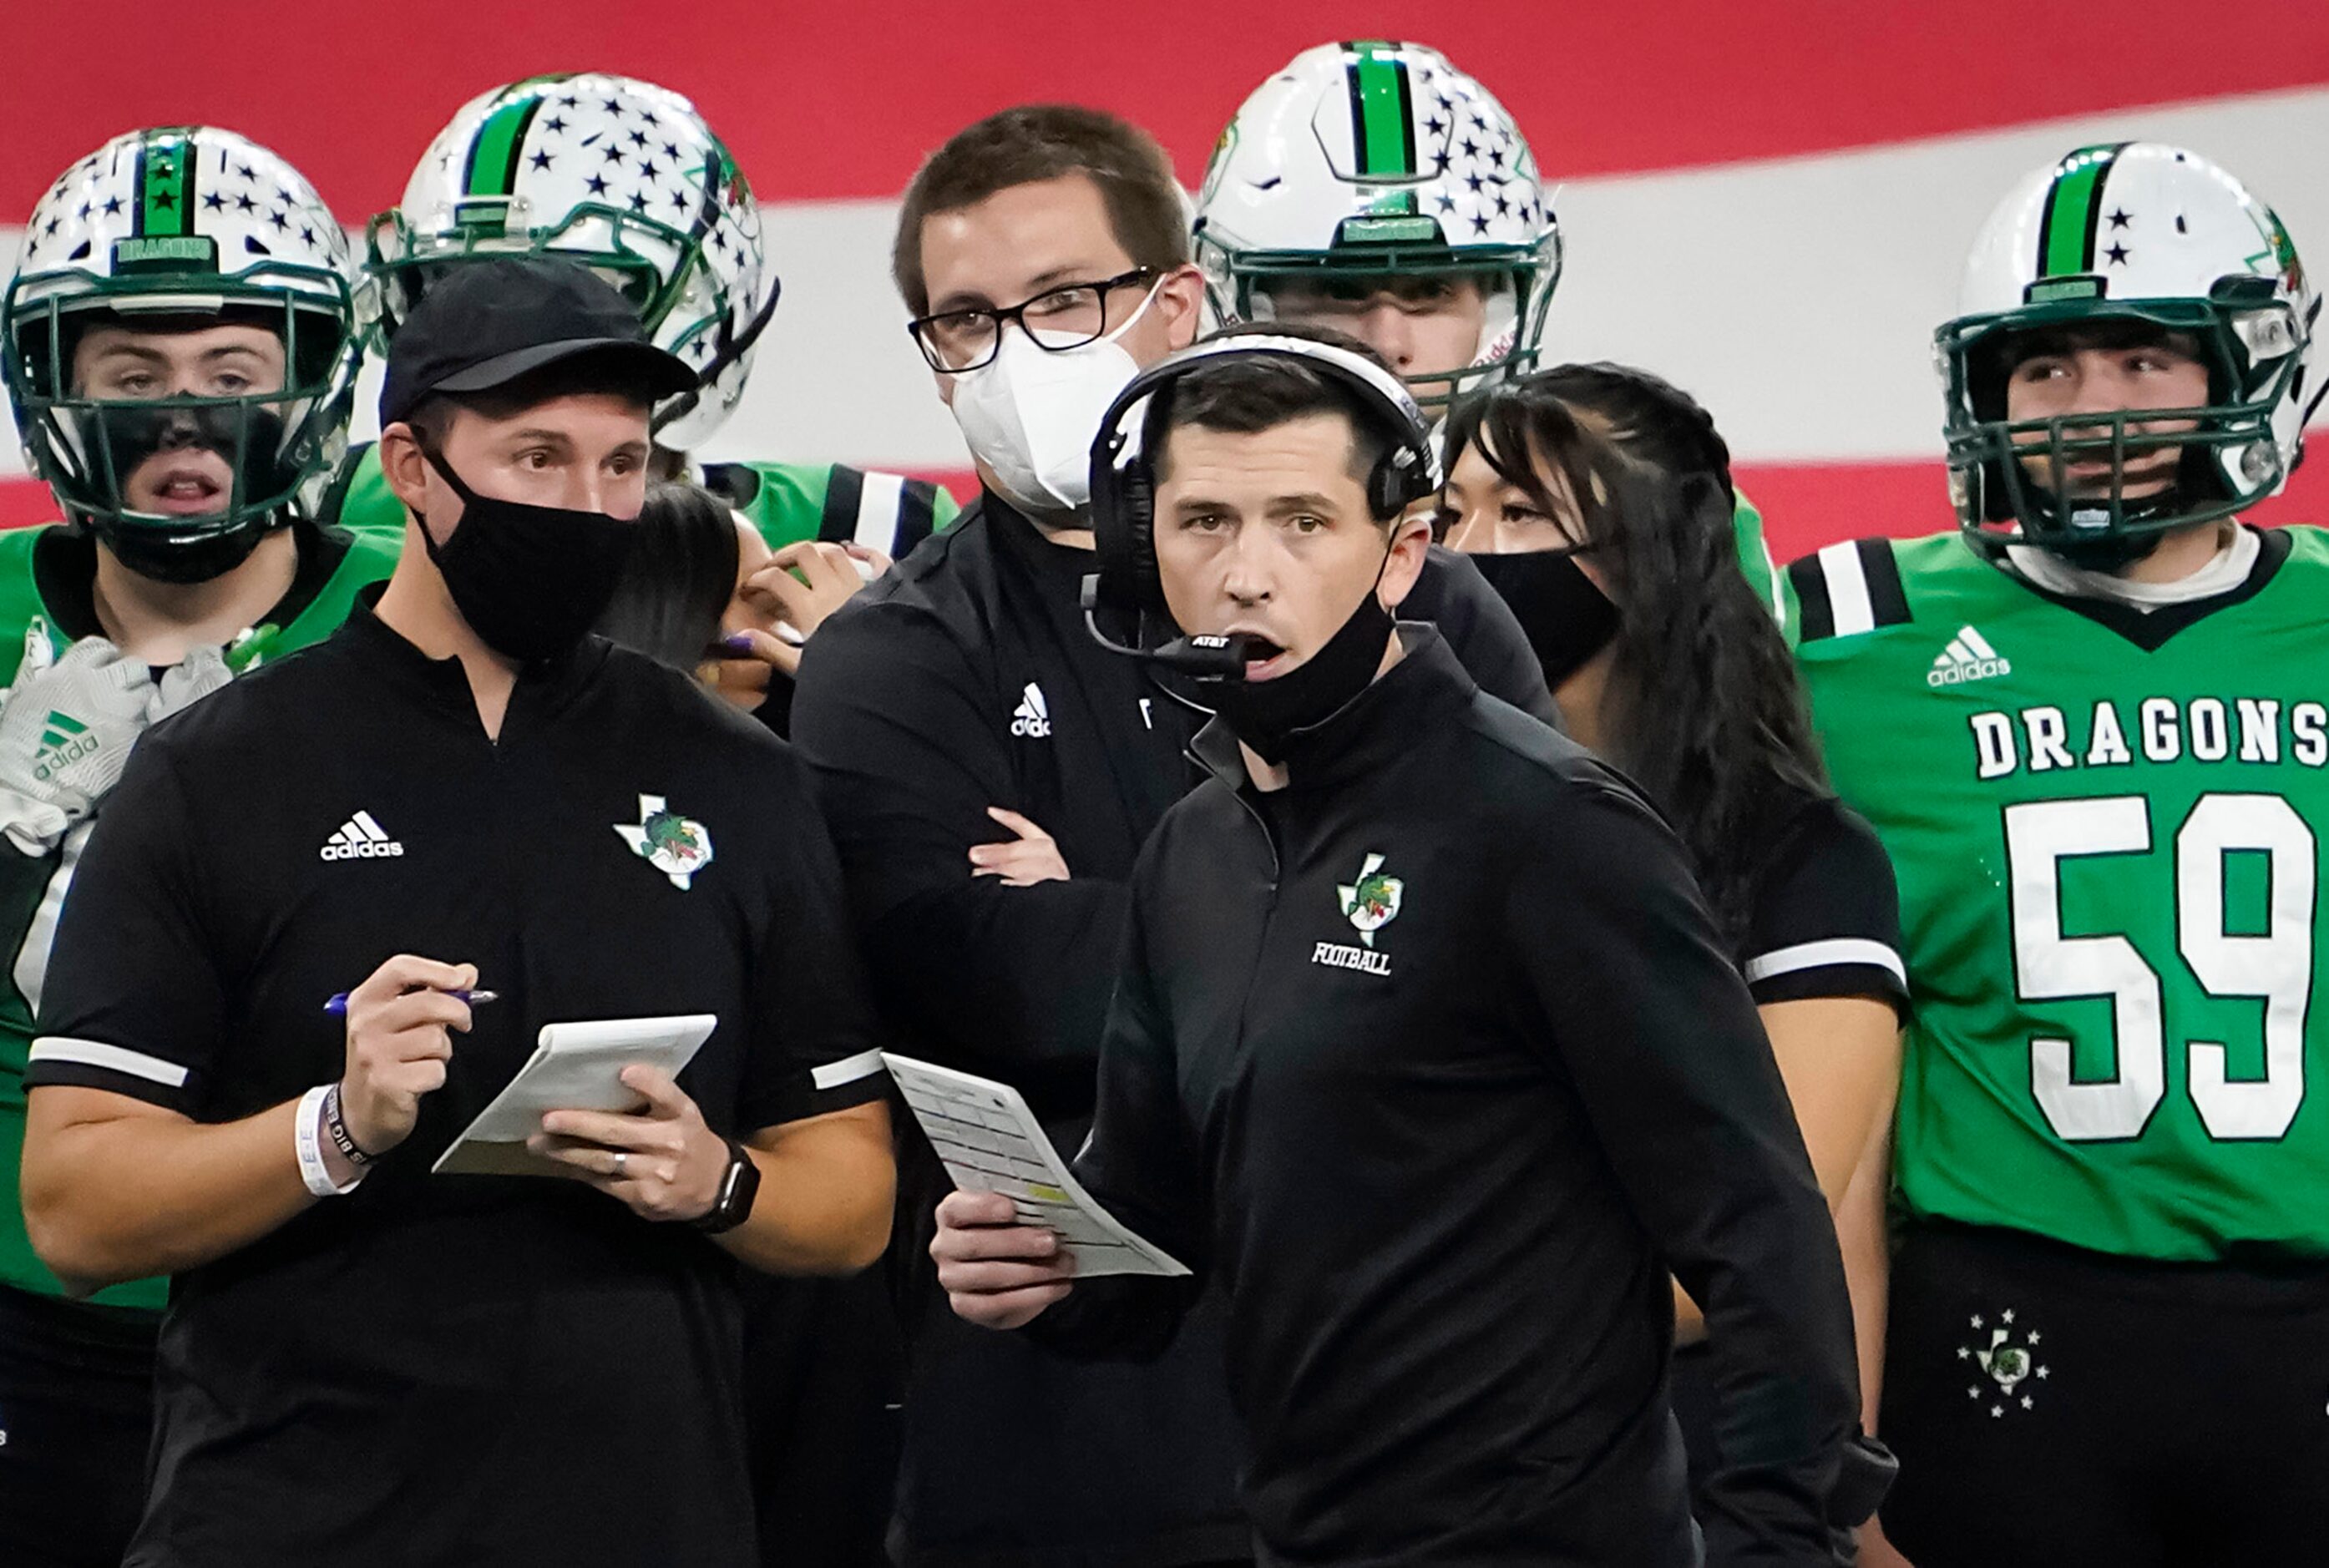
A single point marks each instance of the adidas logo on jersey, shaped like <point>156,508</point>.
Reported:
<point>1968,657</point>
<point>64,741</point>
<point>358,838</point>
<point>1031,719</point>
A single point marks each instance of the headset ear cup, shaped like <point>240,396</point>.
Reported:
<point>1138,532</point>
<point>1123,534</point>
<point>1387,490</point>
<point>1400,480</point>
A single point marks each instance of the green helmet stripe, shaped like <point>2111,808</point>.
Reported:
<point>500,143</point>
<point>2066,234</point>
<point>1382,114</point>
<point>166,187</point>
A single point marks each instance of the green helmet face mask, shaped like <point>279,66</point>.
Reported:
<point>166,232</point>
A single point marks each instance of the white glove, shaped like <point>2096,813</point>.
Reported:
<point>65,734</point>
<point>201,672</point>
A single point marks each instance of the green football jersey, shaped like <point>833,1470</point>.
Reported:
<point>2104,826</point>
<point>32,891</point>
<point>787,502</point>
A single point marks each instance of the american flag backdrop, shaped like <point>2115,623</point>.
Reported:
<point>1768,203</point>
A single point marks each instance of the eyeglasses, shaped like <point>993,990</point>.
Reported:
<point>1058,319</point>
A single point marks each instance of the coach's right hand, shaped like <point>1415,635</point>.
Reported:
<point>399,1037</point>
<point>997,1272</point>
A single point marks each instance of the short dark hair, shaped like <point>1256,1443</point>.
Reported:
<point>1246,394</point>
<point>1045,141</point>
<point>679,579</point>
<point>431,419</point>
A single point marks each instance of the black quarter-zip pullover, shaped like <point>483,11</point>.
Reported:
<point>1433,1059</point>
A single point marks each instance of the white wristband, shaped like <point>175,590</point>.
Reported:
<point>307,1134</point>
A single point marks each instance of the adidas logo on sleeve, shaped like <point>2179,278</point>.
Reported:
<point>360,839</point>
<point>1031,719</point>
<point>1968,657</point>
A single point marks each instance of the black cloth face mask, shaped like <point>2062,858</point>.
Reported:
<point>1566,618</point>
<point>531,580</point>
<point>1266,714</point>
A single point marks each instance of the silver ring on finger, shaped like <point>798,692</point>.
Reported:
<point>622,1158</point>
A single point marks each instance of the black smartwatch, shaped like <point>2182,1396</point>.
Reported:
<point>740,1184</point>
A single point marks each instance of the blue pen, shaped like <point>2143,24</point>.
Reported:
<point>338,1006</point>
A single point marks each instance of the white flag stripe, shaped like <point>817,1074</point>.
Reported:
<point>1847,590</point>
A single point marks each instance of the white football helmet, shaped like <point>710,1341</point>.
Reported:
<point>2131,231</point>
<point>620,176</point>
<point>175,226</point>
<point>1360,161</point>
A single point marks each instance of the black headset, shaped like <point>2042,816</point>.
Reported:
<point>1123,477</point>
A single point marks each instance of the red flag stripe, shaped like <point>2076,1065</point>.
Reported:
<point>826,102</point>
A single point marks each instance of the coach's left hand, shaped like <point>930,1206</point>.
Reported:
<point>661,1160</point>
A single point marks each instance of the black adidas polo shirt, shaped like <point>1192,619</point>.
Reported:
<point>454,1369</point>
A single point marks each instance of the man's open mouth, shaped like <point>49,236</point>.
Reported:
<point>1264,658</point>
<point>185,491</point>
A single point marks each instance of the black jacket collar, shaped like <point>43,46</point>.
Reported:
<point>443,682</point>
<point>1374,730</point>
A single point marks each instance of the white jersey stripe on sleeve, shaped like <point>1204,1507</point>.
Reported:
<point>1847,590</point>
<point>1834,950</point>
<point>877,510</point>
<point>112,1058</point>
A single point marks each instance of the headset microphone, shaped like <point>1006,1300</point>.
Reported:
<point>1207,657</point>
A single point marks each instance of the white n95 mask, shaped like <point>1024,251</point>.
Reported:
<point>1031,414</point>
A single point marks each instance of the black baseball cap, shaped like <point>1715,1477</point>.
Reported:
<point>485,324</point>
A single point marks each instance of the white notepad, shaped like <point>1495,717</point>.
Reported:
<point>991,1142</point>
<point>575,1066</point>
